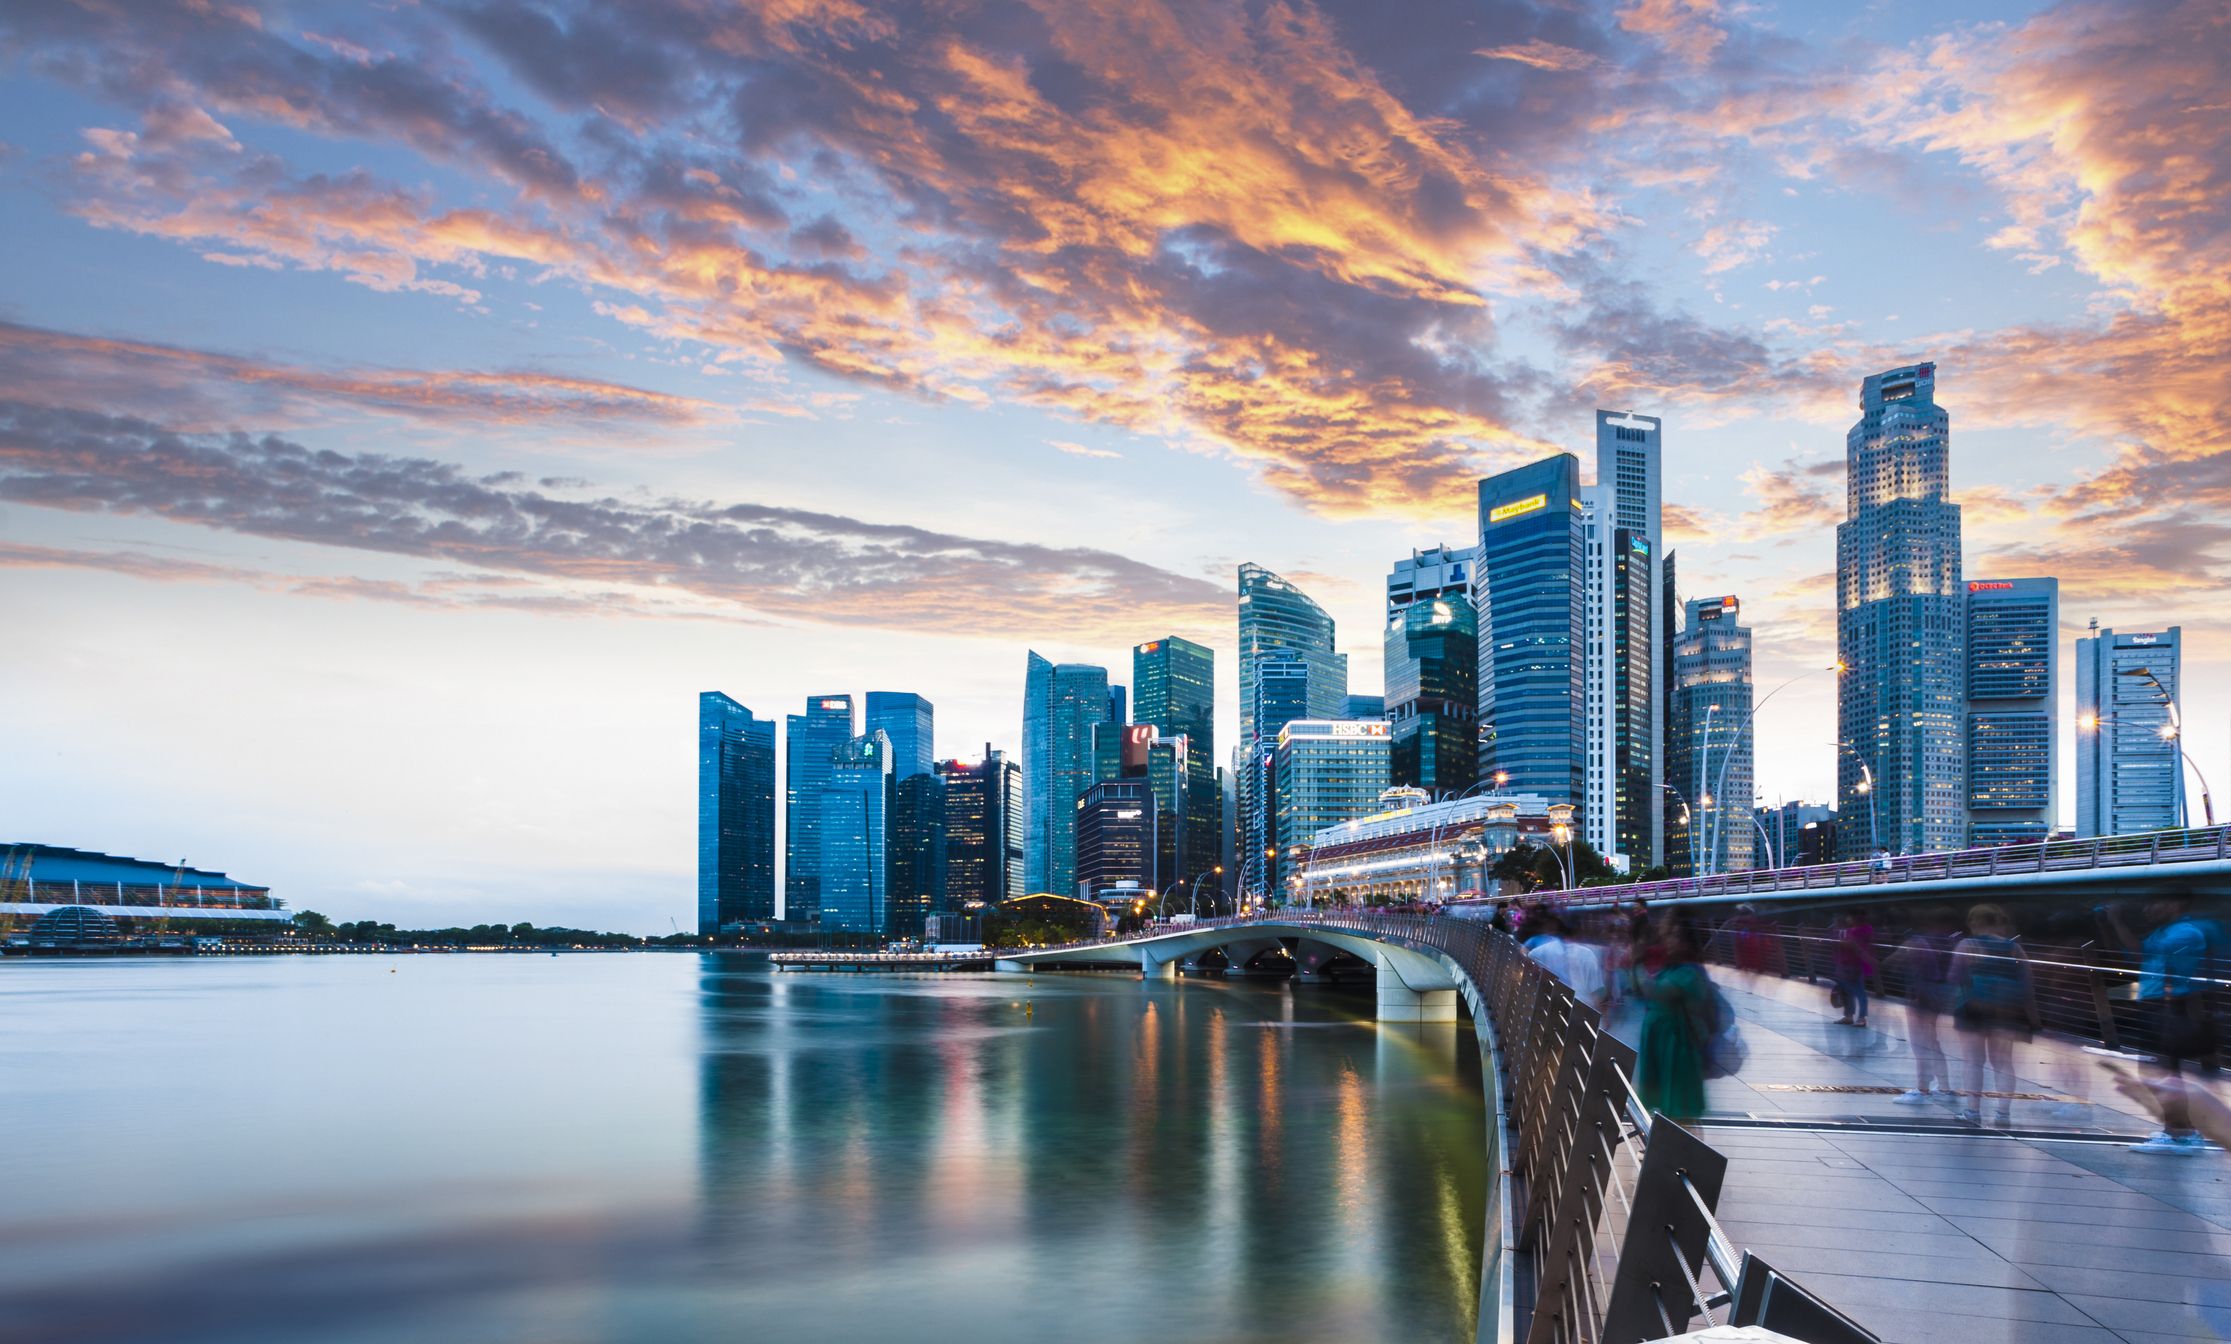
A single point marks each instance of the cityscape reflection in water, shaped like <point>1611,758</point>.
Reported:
<point>666,1147</point>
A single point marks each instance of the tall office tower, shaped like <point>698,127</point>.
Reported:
<point>1632,588</point>
<point>813,740</point>
<point>1282,695</point>
<point>735,814</point>
<point>983,830</point>
<point>1433,572</point>
<point>1529,595</point>
<point>1173,687</point>
<point>2129,763</point>
<point>2013,641</point>
<point>1227,785</point>
<point>910,722</point>
<point>1324,772</point>
<point>1061,702</point>
<point>1275,615</point>
<point>1117,839</point>
<point>856,837</point>
<point>918,852</point>
<point>1710,754</point>
<point>1432,653</point>
<point>1365,706</point>
<point>1118,710</point>
<point>1899,622</point>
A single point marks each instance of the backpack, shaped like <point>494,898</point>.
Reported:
<point>1723,1050</point>
<point>1995,980</point>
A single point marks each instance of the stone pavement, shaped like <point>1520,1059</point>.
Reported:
<point>2058,1235</point>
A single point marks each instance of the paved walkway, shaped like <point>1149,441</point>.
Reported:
<point>1958,1234</point>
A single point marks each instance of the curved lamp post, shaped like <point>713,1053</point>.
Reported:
<point>2174,735</point>
<point>1719,784</point>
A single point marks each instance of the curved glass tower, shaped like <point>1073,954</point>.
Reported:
<point>1277,619</point>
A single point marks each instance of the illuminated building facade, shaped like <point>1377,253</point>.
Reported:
<point>1528,593</point>
<point>1280,623</point>
<point>855,831</point>
<point>1118,838</point>
<point>2013,639</point>
<point>983,830</point>
<point>1623,812</point>
<point>1900,622</point>
<point>735,814</point>
<point>1709,760</point>
<point>2129,766</point>
<point>1324,772</point>
<point>1432,654</point>
<point>1173,687</point>
<point>911,724</point>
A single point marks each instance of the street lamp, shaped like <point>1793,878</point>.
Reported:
<point>2173,733</point>
<point>1561,833</point>
<point>1867,787</point>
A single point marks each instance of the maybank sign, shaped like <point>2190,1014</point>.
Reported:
<point>1517,508</point>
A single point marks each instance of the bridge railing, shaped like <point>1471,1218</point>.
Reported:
<point>2203,844</point>
<point>1615,1237</point>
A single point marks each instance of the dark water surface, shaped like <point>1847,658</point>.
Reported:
<point>665,1147</point>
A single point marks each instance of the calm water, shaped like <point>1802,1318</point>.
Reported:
<point>663,1147</point>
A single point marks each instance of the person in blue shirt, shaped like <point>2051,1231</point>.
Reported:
<point>2175,968</point>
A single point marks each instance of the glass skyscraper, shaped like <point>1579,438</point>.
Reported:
<point>1900,622</point>
<point>1173,687</point>
<point>1431,656</point>
<point>2129,769</point>
<point>983,830</point>
<point>910,722</point>
<point>1117,837</point>
<point>1529,592</point>
<point>735,814</point>
<point>2013,641</point>
<point>917,862</point>
<point>814,738</point>
<point>1626,587</point>
<point>1274,615</point>
<point>1709,758</point>
<point>855,832</point>
<point>1061,702</point>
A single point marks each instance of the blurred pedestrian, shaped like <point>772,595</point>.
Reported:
<point>1549,941</point>
<point>1924,960</point>
<point>1851,961</point>
<point>1677,1019</point>
<point>2174,969</point>
<point>1754,942</point>
<point>1998,1005</point>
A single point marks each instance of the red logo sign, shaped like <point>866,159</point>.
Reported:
<point>1983,586</point>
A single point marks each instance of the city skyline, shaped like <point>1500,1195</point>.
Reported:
<point>437,412</point>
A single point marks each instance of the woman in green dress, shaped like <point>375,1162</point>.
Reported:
<point>1677,1003</point>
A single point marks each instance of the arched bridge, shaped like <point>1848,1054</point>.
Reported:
<point>1418,979</point>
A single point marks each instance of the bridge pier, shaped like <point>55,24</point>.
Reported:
<point>1010,964</point>
<point>1153,967</point>
<point>1400,1003</point>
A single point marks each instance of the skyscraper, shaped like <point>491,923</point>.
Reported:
<point>1900,625</point>
<point>1274,615</point>
<point>2129,765</point>
<point>1173,687</point>
<point>1710,751</point>
<point>1061,702</point>
<point>1324,772</point>
<point>735,814</point>
<point>1629,586</point>
<point>910,722</point>
<point>855,828</point>
<point>1529,598</point>
<point>983,830</point>
<point>1432,652</point>
<point>1117,838</point>
<point>2013,643</point>
<point>1366,706</point>
<point>813,740</point>
<point>917,858</point>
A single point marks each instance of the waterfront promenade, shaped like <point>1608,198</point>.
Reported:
<point>2052,1232</point>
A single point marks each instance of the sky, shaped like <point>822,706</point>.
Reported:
<point>406,409</point>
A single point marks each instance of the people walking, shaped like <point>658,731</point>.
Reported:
<point>1924,961</point>
<point>1997,1006</point>
<point>1677,1019</point>
<point>1852,960</point>
<point>1549,941</point>
<point>2174,970</point>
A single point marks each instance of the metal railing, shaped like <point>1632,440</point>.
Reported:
<point>2205,844</point>
<point>1613,1210</point>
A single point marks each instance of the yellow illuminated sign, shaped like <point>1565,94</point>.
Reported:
<point>1517,507</point>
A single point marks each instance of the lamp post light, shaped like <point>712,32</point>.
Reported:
<point>1867,787</point>
<point>1719,784</point>
<point>1561,834</point>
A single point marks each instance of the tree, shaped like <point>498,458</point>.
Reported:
<point>1533,867</point>
<point>311,924</point>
